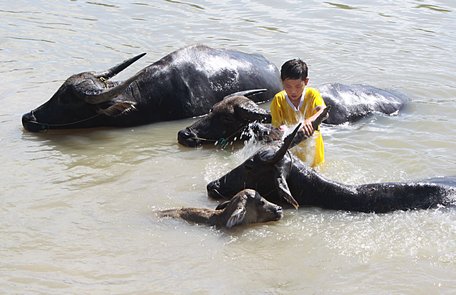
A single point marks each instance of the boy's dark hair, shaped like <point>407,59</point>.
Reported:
<point>294,69</point>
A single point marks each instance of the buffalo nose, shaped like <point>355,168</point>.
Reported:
<point>29,117</point>
<point>185,133</point>
<point>279,211</point>
<point>212,191</point>
<point>30,124</point>
<point>187,137</point>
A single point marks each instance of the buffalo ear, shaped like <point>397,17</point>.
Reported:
<point>118,108</point>
<point>237,216</point>
<point>284,191</point>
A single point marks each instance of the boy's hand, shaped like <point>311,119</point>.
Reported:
<point>307,127</point>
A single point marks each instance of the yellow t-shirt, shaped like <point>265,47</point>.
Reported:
<point>309,151</point>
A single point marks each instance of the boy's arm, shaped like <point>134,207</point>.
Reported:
<point>319,106</point>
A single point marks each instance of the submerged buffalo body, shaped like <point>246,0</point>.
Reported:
<point>350,103</point>
<point>183,84</point>
<point>282,178</point>
<point>230,117</point>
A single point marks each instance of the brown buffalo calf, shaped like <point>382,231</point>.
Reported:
<point>245,207</point>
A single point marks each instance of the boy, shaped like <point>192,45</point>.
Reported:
<point>298,103</point>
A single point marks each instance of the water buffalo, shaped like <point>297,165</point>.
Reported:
<point>350,103</point>
<point>183,84</point>
<point>230,117</point>
<point>246,207</point>
<point>282,178</point>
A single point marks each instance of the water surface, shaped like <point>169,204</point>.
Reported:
<point>77,207</point>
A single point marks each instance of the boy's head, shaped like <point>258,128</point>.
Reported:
<point>294,69</point>
<point>294,78</point>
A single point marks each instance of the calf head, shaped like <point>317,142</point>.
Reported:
<point>266,172</point>
<point>226,121</point>
<point>82,98</point>
<point>247,207</point>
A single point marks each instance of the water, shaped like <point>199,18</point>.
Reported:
<point>77,207</point>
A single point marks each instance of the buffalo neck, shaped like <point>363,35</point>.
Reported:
<point>200,215</point>
<point>312,189</point>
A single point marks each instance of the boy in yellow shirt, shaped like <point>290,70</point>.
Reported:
<point>299,103</point>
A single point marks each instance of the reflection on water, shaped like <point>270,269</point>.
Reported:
<point>77,207</point>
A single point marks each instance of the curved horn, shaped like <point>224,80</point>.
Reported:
<point>300,136</point>
<point>119,68</point>
<point>322,116</point>
<point>100,96</point>
<point>248,110</point>
<point>283,149</point>
<point>246,92</point>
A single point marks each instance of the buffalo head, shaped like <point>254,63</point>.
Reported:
<point>248,207</point>
<point>82,99</point>
<point>265,171</point>
<point>226,120</point>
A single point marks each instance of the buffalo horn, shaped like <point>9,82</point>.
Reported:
<point>246,93</point>
<point>119,68</point>
<point>323,115</point>
<point>286,144</point>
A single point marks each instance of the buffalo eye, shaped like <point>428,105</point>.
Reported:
<point>228,119</point>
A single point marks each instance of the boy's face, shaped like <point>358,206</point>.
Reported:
<point>294,88</point>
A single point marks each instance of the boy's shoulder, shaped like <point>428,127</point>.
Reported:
<point>280,95</point>
<point>312,90</point>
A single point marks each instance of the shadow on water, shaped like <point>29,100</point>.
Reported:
<point>86,157</point>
